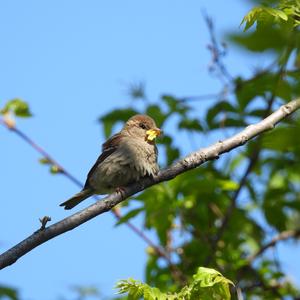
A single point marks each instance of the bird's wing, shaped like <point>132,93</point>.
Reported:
<point>109,147</point>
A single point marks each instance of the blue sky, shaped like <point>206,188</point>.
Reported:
<point>73,61</point>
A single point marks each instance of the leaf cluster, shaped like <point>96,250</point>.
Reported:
<point>187,214</point>
<point>282,13</point>
<point>207,284</point>
<point>18,107</point>
<point>223,213</point>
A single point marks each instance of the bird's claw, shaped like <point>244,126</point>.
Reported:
<point>121,190</point>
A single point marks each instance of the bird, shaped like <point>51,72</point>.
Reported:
<point>126,157</point>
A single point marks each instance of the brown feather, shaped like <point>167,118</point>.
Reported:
<point>126,157</point>
<point>109,147</point>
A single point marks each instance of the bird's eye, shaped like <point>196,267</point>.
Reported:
<point>142,125</point>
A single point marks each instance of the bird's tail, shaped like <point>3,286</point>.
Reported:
<point>77,198</point>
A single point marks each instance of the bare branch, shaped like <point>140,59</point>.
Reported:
<point>217,53</point>
<point>159,250</point>
<point>284,235</point>
<point>77,182</point>
<point>44,220</point>
<point>191,161</point>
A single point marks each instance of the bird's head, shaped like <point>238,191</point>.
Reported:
<point>144,127</point>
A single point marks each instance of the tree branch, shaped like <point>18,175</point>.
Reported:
<point>231,208</point>
<point>191,161</point>
<point>159,250</point>
<point>217,53</point>
<point>284,235</point>
<point>77,182</point>
<point>251,164</point>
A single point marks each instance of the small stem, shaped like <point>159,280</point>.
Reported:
<point>280,237</point>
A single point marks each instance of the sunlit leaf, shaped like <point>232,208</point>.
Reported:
<point>131,214</point>
<point>263,15</point>
<point>17,106</point>
<point>207,284</point>
<point>227,185</point>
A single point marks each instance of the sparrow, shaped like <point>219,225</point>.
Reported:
<point>126,157</point>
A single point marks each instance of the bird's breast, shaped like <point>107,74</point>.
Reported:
<point>131,161</point>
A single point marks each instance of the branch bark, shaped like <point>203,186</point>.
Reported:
<point>191,161</point>
<point>160,251</point>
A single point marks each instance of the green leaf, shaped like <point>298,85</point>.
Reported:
<point>267,38</point>
<point>175,105</point>
<point>236,162</point>
<point>259,113</point>
<point>155,112</point>
<point>259,85</point>
<point>137,289</point>
<point>220,107</point>
<point>263,15</point>
<point>207,284</point>
<point>251,17</point>
<point>282,139</point>
<point>18,107</point>
<point>173,153</point>
<point>276,13</point>
<point>207,277</point>
<point>44,161</point>
<point>227,122</point>
<point>111,118</point>
<point>159,209</point>
<point>129,216</point>
<point>8,293</point>
<point>55,169</point>
<point>284,90</point>
<point>191,124</point>
<point>227,185</point>
<point>274,206</point>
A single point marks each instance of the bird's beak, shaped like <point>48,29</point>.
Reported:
<point>153,133</point>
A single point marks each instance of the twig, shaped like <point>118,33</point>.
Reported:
<point>247,266</point>
<point>239,294</point>
<point>44,220</point>
<point>63,171</point>
<point>191,161</point>
<point>284,235</point>
<point>161,252</point>
<point>217,52</point>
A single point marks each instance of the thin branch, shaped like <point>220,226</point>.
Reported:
<point>191,161</point>
<point>159,250</point>
<point>284,235</point>
<point>46,155</point>
<point>63,171</point>
<point>259,280</point>
<point>217,52</point>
